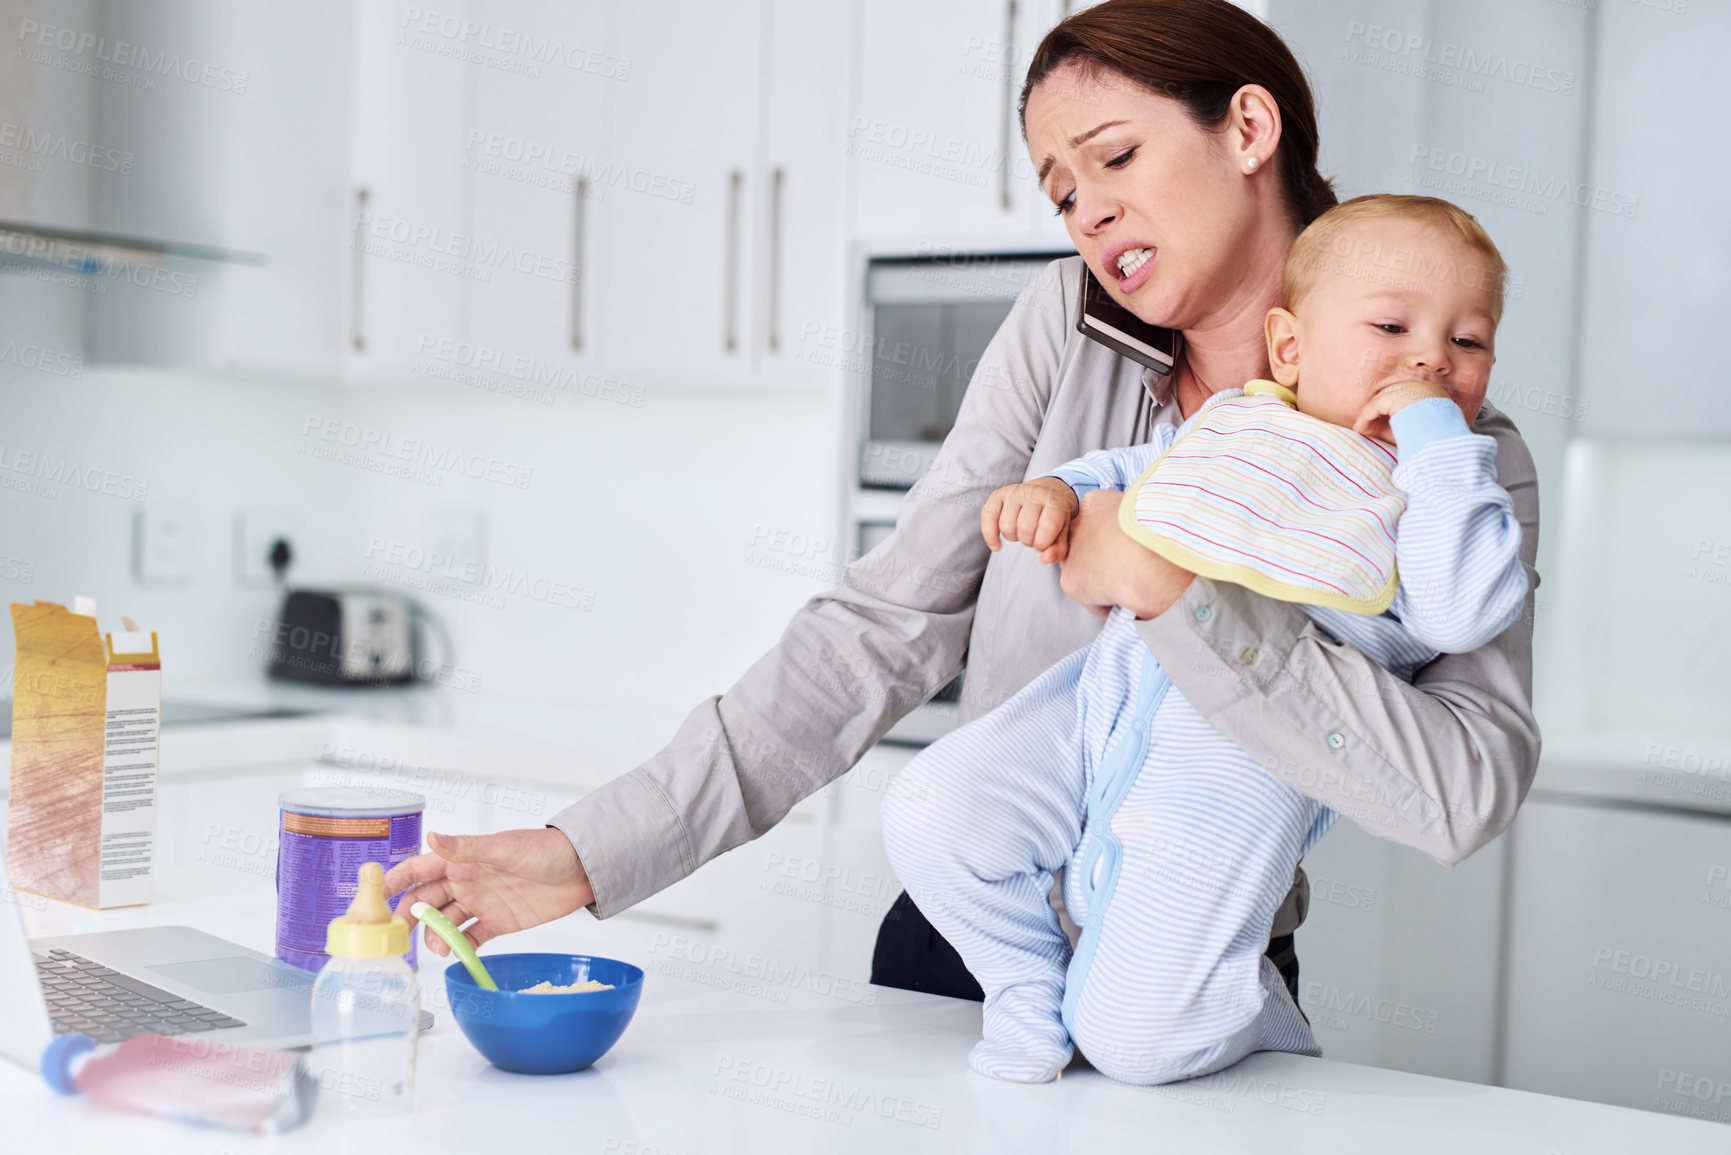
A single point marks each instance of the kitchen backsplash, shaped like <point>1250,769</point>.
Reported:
<point>640,547</point>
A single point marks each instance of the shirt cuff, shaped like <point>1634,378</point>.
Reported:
<point>1082,483</point>
<point>613,829</point>
<point>1422,422</point>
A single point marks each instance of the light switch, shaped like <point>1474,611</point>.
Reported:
<point>164,545</point>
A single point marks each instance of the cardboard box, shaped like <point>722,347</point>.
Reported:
<point>86,711</point>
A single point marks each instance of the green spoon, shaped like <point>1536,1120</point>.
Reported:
<point>459,942</point>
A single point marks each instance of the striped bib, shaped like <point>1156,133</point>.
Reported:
<point>1257,493</point>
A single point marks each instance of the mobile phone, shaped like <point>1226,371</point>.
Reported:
<point>1102,319</point>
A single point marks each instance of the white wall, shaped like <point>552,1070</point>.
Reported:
<point>1658,282</point>
<point>654,509</point>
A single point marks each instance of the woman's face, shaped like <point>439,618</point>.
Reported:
<point>1158,207</point>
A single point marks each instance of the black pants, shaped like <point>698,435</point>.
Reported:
<point>912,955</point>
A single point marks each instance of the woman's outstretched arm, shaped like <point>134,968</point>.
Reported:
<point>852,661</point>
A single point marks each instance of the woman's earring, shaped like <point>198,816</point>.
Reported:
<point>1250,165</point>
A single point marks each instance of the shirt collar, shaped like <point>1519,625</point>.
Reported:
<point>1158,386</point>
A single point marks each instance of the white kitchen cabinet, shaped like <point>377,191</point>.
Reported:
<point>691,178</point>
<point>662,199</point>
<point>290,190</point>
<point>1619,989</point>
<point>1044,223</point>
<point>1398,957</point>
<point>934,142</point>
<point>739,903</point>
<point>812,891</point>
<point>678,194</point>
<point>862,884</point>
<point>798,282</point>
<point>534,159</point>
<point>411,255</point>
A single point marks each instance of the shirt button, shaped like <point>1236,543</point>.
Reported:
<point>1203,613</point>
<point>1248,657</point>
<point>1335,741</point>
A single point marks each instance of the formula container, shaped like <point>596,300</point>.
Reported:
<point>327,832</point>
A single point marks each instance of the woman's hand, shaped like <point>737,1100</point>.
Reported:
<point>508,881</point>
<point>1105,568</point>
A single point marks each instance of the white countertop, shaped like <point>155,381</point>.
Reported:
<point>884,1070</point>
<point>1680,771</point>
<point>854,1067</point>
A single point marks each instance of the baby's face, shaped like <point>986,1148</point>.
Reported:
<point>1408,303</point>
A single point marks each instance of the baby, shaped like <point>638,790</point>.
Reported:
<point>1177,848</point>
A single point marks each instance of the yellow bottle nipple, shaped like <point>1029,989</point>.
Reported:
<point>369,929</point>
<point>369,905</point>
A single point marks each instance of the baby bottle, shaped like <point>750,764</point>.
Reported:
<point>366,1008</point>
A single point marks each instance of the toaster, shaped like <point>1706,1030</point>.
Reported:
<point>345,637</point>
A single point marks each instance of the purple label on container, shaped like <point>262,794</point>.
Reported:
<point>318,859</point>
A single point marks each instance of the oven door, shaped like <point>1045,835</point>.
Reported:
<point>929,321</point>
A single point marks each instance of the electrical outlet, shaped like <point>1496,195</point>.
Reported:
<point>255,532</point>
<point>457,538</point>
<point>164,545</point>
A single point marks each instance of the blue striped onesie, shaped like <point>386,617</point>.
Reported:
<point>1177,848</point>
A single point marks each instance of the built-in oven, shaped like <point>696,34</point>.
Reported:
<point>926,319</point>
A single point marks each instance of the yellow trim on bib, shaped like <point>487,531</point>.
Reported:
<point>1239,574</point>
<point>1261,388</point>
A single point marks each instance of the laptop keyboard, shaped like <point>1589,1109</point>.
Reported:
<point>87,998</point>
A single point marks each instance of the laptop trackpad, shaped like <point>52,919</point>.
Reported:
<point>232,976</point>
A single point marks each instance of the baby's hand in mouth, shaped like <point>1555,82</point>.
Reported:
<point>1391,399</point>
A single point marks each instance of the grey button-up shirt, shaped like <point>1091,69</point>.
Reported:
<point>1440,764</point>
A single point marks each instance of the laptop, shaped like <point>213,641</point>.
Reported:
<point>161,980</point>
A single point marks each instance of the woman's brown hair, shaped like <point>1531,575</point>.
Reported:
<point>1199,52</point>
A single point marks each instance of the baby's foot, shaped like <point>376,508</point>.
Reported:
<point>1025,1040</point>
<point>1018,1064</point>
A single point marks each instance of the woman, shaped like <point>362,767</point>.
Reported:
<point>1178,140</point>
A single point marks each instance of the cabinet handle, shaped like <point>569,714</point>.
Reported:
<point>577,265</point>
<point>730,291</point>
<point>775,182</point>
<point>357,263</point>
<point>1009,101</point>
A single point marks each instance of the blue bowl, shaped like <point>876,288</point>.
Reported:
<point>544,1034</point>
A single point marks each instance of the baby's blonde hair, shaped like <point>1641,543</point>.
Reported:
<point>1320,246</point>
